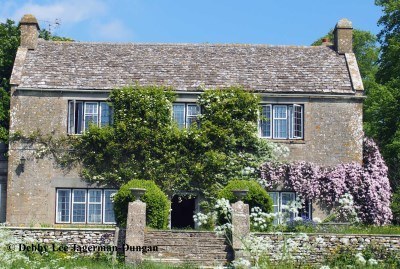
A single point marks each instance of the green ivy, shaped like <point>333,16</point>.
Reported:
<point>144,141</point>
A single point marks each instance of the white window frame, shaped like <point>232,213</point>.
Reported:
<point>104,206</point>
<point>291,127</point>
<point>94,203</point>
<point>84,114</point>
<point>86,203</point>
<point>94,114</point>
<point>69,207</point>
<point>261,120</point>
<point>186,112</point>
<point>293,118</point>
<point>78,203</point>
<point>279,205</point>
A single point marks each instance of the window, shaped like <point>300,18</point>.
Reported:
<point>282,199</point>
<point>81,114</point>
<point>94,206</point>
<point>185,114</point>
<point>108,207</point>
<point>281,121</point>
<point>79,206</point>
<point>85,206</point>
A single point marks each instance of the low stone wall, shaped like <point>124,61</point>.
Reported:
<point>314,248</point>
<point>67,236</point>
<point>206,248</point>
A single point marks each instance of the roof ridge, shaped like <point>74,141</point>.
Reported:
<point>42,41</point>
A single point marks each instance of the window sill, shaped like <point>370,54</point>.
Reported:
<point>287,141</point>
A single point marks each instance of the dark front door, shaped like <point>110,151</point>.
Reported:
<point>182,212</point>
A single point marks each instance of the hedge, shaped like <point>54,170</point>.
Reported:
<point>256,196</point>
<point>158,204</point>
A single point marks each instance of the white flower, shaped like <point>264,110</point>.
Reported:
<point>360,259</point>
<point>320,241</point>
<point>317,220</point>
<point>303,237</point>
<point>372,262</point>
<point>324,267</point>
<point>241,263</point>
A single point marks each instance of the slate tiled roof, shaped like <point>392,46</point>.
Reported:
<point>186,67</point>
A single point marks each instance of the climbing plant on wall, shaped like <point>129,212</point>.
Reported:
<point>368,183</point>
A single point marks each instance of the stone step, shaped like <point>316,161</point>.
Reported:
<point>204,263</point>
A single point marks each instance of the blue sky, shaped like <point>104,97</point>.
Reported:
<point>278,22</point>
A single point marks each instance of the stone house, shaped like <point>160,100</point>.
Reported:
<point>312,97</point>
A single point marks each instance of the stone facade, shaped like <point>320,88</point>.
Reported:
<point>333,131</point>
<point>46,75</point>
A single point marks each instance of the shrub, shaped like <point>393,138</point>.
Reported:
<point>256,197</point>
<point>158,204</point>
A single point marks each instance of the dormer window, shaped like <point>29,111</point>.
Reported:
<point>281,121</point>
<point>83,113</point>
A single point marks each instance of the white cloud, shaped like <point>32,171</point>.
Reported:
<point>69,12</point>
<point>113,31</point>
<point>89,18</point>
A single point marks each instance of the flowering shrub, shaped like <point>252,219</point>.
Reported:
<point>259,220</point>
<point>368,184</point>
<point>201,219</point>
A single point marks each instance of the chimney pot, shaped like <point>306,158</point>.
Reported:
<point>343,36</point>
<point>29,28</point>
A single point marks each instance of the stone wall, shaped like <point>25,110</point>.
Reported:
<point>314,248</point>
<point>206,248</point>
<point>68,236</point>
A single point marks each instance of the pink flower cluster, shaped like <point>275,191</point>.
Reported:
<point>367,183</point>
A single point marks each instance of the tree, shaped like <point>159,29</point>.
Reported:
<point>47,35</point>
<point>389,37</point>
<point>382,106</point>
<point>9,41</point>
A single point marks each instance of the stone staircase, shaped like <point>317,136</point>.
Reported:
<point>204,249</point>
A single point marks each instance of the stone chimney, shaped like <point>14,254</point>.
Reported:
<point>29,28</point>
<point>343,36</point>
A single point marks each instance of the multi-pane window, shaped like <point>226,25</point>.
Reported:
<point>108,208</point>
<point>281,121</point>
<point>94,206</point>
<point>85,206</point>
<point>79,206</point>
<point>83,113</point>
<point>281,201</point>
<point>185,114</point>
<point>63,205</point>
